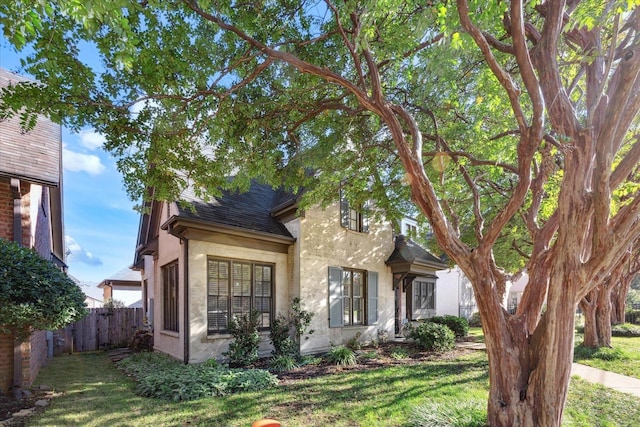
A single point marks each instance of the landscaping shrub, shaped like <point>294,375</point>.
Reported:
<point>399,353</point>
<point>341,355</point>
<point>632,316</point>
<point>432,336</point>
<point>142,341</point>
<point>34,293</point>
<point>468,413</point>
<point>283,343</point>
<point>286,332</point>
<point>625,330</point>
<point>369,355</point>
<point>458,325</point>
<point>354,342</point>
<point>475,320</point>
<point>243,350</point>
<point>282,363</point>
<point>602,353</point>
<point>162,377</point>
<point>310,360</point>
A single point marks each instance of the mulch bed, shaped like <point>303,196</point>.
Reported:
<point>384,358</point>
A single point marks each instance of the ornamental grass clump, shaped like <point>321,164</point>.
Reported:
<point>341,355</point>
<point>468,413</point>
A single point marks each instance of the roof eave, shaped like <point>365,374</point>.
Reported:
<point>176,226</point>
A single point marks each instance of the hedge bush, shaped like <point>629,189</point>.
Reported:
<point>625,330</point>
<point>432,336</point>
<point>474,320</point>
<point>458,325</point>
<point>34,293</point>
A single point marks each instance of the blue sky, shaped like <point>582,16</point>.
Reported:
<point>100,223</point>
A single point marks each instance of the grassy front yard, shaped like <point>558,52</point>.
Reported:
<point>623,358</point>
<point>97,394</point>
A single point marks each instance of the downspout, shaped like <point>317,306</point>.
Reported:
<point>185,285</point>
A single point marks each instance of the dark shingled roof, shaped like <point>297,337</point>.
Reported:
<point>250,210</point>
<point>406,250</point>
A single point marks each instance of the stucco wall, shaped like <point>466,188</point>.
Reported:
<point>203,346</point>
<point>323,242</point>
<point>447,291</point>
<point>170,250</point>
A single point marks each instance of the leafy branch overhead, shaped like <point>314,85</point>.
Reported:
<point>511,127</point>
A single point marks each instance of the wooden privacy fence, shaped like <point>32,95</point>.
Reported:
<point>102,328</point>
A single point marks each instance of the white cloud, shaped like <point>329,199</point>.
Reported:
<point>75,252</point>
<point>91,139</point>
<point>78,162</point>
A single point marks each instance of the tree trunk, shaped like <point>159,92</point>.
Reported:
<point>588,306</point>
<point>528,374</point>
<point>619,299</point>
<point>603,316</point>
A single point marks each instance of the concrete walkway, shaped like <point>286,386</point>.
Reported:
<point>608,379</point>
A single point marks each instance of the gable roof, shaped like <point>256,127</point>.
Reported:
<point>407,251</point>
<point>250,210</point>
<point>126,277</point>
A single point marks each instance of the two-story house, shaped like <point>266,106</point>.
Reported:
<point>30,214</point>
<point>204,262</point>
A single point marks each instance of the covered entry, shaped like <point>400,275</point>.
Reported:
<point>414,281</point>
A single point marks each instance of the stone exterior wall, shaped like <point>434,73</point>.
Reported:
<point>204,346</point>
<point>322,243</point>
<point>170,250</point>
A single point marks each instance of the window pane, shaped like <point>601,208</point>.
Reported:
<point>236,287</point>
<point>357,311</point>
<point>170,301</point>
<point>346,283</point>
<point>357,284</point>
<point>347,310</point>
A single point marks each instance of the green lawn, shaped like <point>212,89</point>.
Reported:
<point>97,394</point>
<point>624,356</point>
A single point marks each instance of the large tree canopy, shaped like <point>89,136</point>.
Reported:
<point>34,294</point>
<point>512,127</point>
